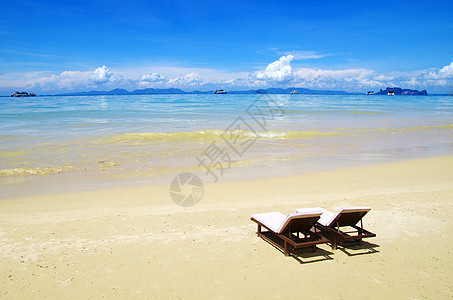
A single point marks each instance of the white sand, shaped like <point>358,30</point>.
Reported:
<point>136,243</point>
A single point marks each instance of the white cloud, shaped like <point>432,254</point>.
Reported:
<point>304,55</point>
<point>152,80</point>
<point>153,77</point>
<point>281,72</point>
<point>447,71</point>
<point>278,71</point>
<point>383,77</point>
<point>189,80</point>
<point>76,80</point>
<point>316,74</point>
<point>338,79</point>
<point>101,75</point>
<point>156,80</point>
<point>435,78</point>
<point>67,80</point>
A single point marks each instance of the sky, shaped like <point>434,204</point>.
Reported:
<point>67,46</point>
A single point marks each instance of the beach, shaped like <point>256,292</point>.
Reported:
<point>271,150</point>
<point>135,242</point>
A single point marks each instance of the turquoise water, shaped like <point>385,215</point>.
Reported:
<point>168,133</point>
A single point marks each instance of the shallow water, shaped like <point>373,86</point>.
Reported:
<point>277,134</point>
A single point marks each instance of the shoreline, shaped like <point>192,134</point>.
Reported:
<point>136,242</point>
<point>73,182</point>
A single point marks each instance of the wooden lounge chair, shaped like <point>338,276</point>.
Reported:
<point>289,232</point>
<point>329,224</point>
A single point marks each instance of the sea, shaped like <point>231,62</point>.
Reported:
<point>50,144</point>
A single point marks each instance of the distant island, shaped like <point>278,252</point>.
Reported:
<point>301,91</point>
<point>151,91</point>
<point>403,92</point>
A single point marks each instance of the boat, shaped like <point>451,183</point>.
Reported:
<point>370,93</point>
<point>22,94</point>
<point>295,92</point>
<point>220,92</point>
<point>391,93</point>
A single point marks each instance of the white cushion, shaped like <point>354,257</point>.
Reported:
<point>310,210</point>
<point>325,217</point>
<point>328,217</point>
<point>277,221</point>
<point>272,220</point>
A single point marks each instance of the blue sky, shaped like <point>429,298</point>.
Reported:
<point>60,46</point>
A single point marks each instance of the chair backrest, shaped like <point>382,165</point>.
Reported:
<point>349,216</point>
<point>299,222</point>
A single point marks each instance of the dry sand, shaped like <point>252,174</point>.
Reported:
<point>136,243</point>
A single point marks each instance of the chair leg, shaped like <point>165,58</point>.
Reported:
<point>286,249</point>
<point>258,233</point>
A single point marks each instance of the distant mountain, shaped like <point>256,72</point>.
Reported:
<point>95,93</point>
<point>157,91</point>
<point>151,91</point>
<point>400,91</point>
<point>302,91</point>
<point>126,92</point>
<point>119,92</point>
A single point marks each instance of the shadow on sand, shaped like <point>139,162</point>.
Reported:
<point>355,249</point>
<point>316,254</point>
<point>304,255</point>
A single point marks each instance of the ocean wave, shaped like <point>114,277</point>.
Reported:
<point>213,134</point>
<point>335,112</point>
<point>167,149</point>
<point>396,130</point>
<point>11,154</point>
<point>33,171</point>
<point>427,127</point>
